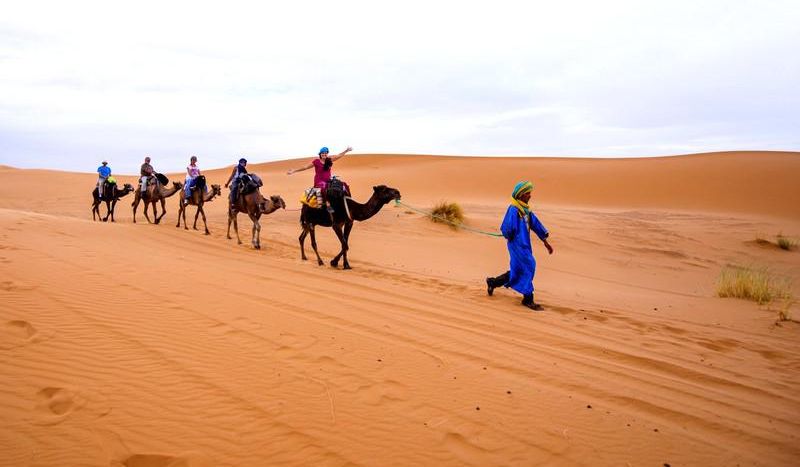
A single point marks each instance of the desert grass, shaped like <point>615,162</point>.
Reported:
<point>756,284</point>
<point>448,213</point>
<point>781,241</point>
<point>786,243</point>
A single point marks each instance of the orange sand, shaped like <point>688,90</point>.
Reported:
<point>144,345</point>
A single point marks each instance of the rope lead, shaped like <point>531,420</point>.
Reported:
<point>397,202</point>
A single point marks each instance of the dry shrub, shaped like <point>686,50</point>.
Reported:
<point>449,213</point>
<point>786,243</point>
<point>756,284</point>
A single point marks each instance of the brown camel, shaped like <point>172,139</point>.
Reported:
<point>198,198</point>
<point>155,192</point>
<point>254,204</point>
<point>340,221</point>
<point>111,194</point>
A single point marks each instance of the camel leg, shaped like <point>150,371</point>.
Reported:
<point>347,228</point>
<point>108,211</point>
<point>95,209</point>
<point>135,203</point>
<point>256,232</point>
<point>113,206</point>
<point>184,206</point>
<point>197,213</point>
<point>302,239</point>
<point>146,208</point>
<point>230,219</point>
<point>314,245</point>
<point>338,229</point>
<point>236,228</point>
<point>180,212</point>
<point>202,213</point>
<point>163,210</point>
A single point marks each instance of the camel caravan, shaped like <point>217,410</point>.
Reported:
<point>328,203</point>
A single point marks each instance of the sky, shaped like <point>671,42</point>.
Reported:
<point>83,81</point>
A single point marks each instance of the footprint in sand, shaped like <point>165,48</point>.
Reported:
<point>237,326</point>
<point>55,404</point>
<point>164,460</point>
<point>10,286</point>
<point>16,333</point>
<point>464,449</point>
<point>388,391</point>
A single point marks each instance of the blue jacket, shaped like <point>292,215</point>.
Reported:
<point>523,265</point>
<point>104,171</point>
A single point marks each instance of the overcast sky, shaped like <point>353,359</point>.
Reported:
<point>86,81</point>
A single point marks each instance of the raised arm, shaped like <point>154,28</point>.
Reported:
<point>341,154</point>
<point>305,167</point>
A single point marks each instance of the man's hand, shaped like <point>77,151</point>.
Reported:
<point>547,245</point>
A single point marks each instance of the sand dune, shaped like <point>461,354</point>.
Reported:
<point>146,345</point>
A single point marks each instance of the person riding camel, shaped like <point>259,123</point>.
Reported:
<point>104,171</point>
<point>322,171</point>
<point>192,172</point>
<point>233,180</point>
<point>145,173</point>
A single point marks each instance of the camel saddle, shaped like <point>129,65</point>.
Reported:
<point>312,197</point>
<point>249,183</point>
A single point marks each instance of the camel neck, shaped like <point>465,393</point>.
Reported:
<point>361,212</point>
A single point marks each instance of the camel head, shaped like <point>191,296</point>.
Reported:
<point>216,190</point>
<point>127,187</point>
<point>386,194</point>
<point>177,185</point>
<point>277,201</point>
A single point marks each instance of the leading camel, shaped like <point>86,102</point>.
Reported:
<point>155,192</point>
<point>340,221</point>
<point>197,198</point>
<point>254,205</point>
<point>111,193</point>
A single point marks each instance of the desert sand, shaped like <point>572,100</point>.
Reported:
<point>147,345</point>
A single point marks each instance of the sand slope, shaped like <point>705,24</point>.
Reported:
<point>144,345</point>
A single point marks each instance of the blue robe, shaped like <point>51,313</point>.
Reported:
<point>523,264</point>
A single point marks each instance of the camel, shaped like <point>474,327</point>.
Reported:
<point>254,204</point>
<point>340,221</point>
<point>198,198</point>
<point>155,192</point>
<point>111,194</point>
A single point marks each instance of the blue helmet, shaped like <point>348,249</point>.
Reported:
<point>243,160</point>
<point>323,150</point>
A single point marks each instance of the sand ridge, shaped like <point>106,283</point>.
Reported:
<point>149,345</point>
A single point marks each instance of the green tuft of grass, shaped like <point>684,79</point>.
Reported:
<point>786,243</point>
<point>756,284</point>
<point>448,213</point>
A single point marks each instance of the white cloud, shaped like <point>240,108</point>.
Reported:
<point>80,81</point>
